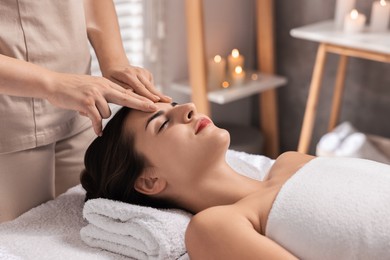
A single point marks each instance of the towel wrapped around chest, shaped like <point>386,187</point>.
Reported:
<point>334,208</point>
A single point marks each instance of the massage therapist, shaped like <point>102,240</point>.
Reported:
<point>47,96</point>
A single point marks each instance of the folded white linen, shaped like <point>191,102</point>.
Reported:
<point>334,208</point>
<point>135,231</point>
<point>357,145</point>
<point>149,233</point>
<point>346,141</point>
<point>330,142</point>
<point>50,231</point>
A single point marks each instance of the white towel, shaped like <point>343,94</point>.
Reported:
<point>334,208</point>
<point>346,141</point>
<point>251,165</point>
<point>148,233</point>
<point>50,231</point>
<point>135,231</point>
<point>330,142</point>
<point>357,145</point>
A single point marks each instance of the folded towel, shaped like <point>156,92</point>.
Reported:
<point>148,233</point>
<point>346,141</point>
<point>357,145</point>
<point>334,208</point>
<point>135,231</point>
<point>330,142</point>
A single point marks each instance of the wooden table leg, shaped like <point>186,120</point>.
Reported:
<point>266,62</point>
<point>312,100</point>
<point>196,55</point>
<point>338,92</point>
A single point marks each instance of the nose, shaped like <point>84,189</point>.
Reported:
<point>186,112</point>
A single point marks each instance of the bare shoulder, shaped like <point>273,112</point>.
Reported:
<point>287,164</point>
<point>292,155</point>
<point>224,232</point>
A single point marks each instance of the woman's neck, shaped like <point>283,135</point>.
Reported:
<point>220,185</point>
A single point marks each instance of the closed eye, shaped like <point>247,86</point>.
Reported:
<point>164,125</point>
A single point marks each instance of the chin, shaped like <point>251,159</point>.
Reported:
<point>219,142</point>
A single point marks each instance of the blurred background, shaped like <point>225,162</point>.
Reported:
<point>155,36</point>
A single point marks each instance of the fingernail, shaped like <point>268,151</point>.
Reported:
<point>157,98</point>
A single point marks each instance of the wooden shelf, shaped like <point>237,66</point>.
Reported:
<point>268,115</point>
<point>235,92</point>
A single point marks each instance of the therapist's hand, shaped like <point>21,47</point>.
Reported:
<point>90,96</point>
<point>136,79</point>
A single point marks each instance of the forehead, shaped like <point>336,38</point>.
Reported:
<point>137,118</point>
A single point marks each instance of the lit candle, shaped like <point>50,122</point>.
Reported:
<point>380,14</point>
<point>216,72</point>
<point>254,76</point>
<point>343,7</point>
<point>225,84</point>
<point>354,22</point>
<point>235,59</point>
<point>238,76</point>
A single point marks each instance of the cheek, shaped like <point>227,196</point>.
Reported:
<point>164,149</point>
<point>181,147</point>
<point>190,150</point>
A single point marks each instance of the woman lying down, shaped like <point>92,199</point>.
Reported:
<point>306,207</point>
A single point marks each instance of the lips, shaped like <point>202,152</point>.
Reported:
<point>201,124</point>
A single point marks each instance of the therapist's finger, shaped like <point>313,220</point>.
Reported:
<point>93,114</point>
<point>130,99</point>
<point>132,81</point>
<point>103,107</point>
<point>150,87</point>
<point>130,91</point>
<point>124,88</point>
<point>117,85</point>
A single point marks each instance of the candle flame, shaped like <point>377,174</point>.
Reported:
<point>383,3</point>
<point>235,53</point>
<point>254,76</point>
<point>354,14</point>
<point>238,70</point>
<point>225,84</point>
<point>217,59</point>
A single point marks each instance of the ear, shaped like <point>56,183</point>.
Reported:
<point>149,185</point>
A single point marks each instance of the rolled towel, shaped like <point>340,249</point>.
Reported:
<point>357,145</point>
<point>344,129</point>
<point>330,142</point>
<point>135,231</point>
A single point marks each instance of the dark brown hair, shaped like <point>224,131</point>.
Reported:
<point>112,165</point>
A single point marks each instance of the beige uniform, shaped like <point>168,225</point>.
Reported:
<point>36,138</point>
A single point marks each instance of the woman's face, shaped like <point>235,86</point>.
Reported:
<point>178,142</point>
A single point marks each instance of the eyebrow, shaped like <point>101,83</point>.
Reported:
<point>159,113</point>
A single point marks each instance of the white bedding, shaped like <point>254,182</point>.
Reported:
<point>52,230</point>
